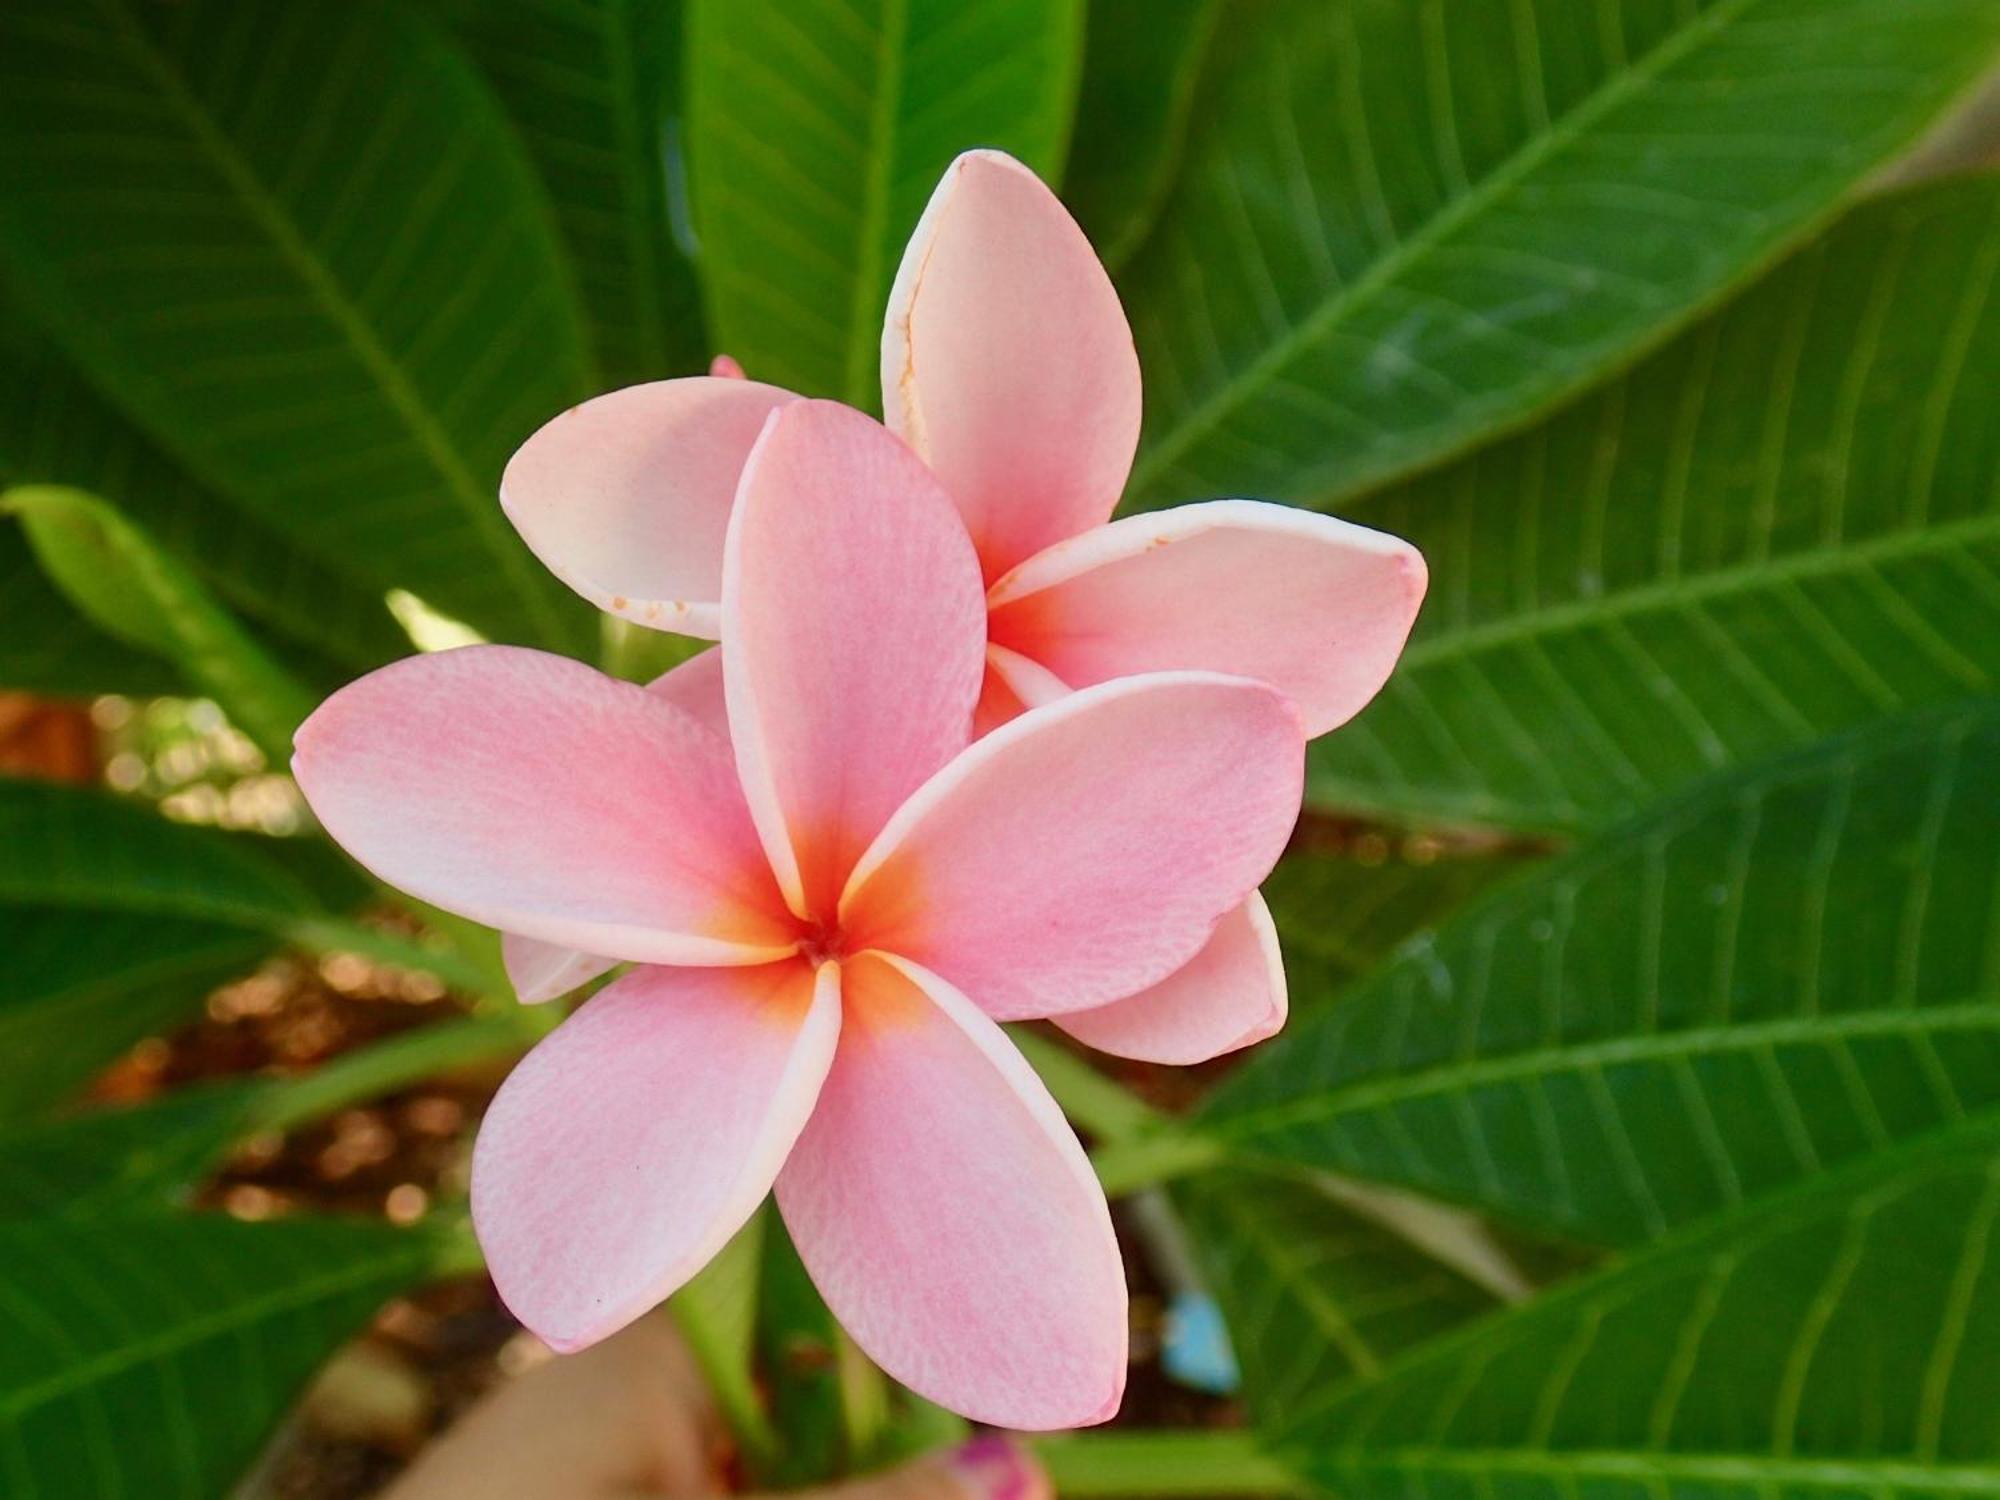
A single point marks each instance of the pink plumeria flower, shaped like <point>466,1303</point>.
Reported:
<point>833,897</point>
<point>1007,365</point>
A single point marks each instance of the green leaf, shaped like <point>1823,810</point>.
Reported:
<point>1836,1339</point>
<point>1339,914</point>
<point>121,1161</point>
<point>1786,968</point>
<point>1786,522</point>
<point>302,248</point>
<point>151,1355</point>
<point>116,922</point>
<point>1314,1292</point>
<point>716,1314</point>
<point>132,589</point>
<point>1141,62</point>
<point>594,87</point>
<point>54,429</point>
<point>798,1344</point>
<point>64,655</point>
<point>816,132</point>
<point>1405,227</point>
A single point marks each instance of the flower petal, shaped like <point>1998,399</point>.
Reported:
<point>536,795</point>
<point>854,639</point>
<point>1087,849</point>
<point>1316,607</point>
<point>628,1147</point>
<point>1227,996</point>
<point>1007,362</point>
<point>626,497</point>
<point>948,1215</point>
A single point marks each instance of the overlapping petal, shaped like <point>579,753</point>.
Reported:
<point>1317,607</point>
<point>949,1216</point>
<point>626,498</point>
<point>1007,362</point>
<point>856,637</point>
<point>536,795</point>
<point>1087,849</point>
<point>625,1149</point>
<point>1228,996</point>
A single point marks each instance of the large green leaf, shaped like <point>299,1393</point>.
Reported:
<point>594,86</point>
<point>300,245</point>
<point>1314,1292</point>
<point>816,131</point>
<point>120,1161</point>
<point>54,429</point>
<point>133,589</point>
<point>1141,62</point>
<point>62,655</point>
<point>1785,522</point>
<point>1834,1340</point>
<point>1406,225</point>
<point>1788,967</point>
<point>116,922</point>
<point>1339,915</point>
<point>151,1355</point>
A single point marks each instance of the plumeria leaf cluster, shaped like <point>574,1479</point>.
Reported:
<point>867,581</point>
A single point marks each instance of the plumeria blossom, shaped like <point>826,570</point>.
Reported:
<point>831,895</point>
<point>1008,367</point>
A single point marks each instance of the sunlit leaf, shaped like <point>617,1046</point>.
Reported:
<point>1404,227</point>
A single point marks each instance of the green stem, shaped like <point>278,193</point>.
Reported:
<point>1148,1160</point>
<point>1209,1463</point>
<point>371,1072</point>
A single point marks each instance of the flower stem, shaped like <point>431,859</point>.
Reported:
<point>1208,1463</point>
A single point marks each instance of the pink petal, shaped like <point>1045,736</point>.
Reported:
<point>543,971</point>
<point>854,639</point>
<point>1228,996</point>
<point>536,795</point>
<point>626,497</point>
<point>724,367</point>
<point>948,1215</point>
<point>628,1147</point>
<point>1316,607</point>
<point>1087,849</point>
<point>1007,362</point>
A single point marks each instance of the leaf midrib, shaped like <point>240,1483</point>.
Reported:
<point>1210,412</point>
<point>1668,593</point>
<point>326,292</point>
<point>1716,1040</point>
<point>863,376</point>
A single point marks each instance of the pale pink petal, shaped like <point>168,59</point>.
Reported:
<point>724,367</point>
<point>948,1215</point>
<point>1087,849</point>
<point>543,971</point>
<point>547,971</point>
<point>1013,685</point>
<point>854,639</point>
<point>1227,996</point>
<point>1007,363</point>
<point>1316,607</point>
<point>628,1147</point>
<point>626,497</point>
<point>534,794</point>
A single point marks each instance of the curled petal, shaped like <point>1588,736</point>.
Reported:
<point>628,1147</point>
<point>948,1215</point>
<point>626,497</point>
<point>1007,362</point>
<point>1087,849</point>
<point>1228,996</point>
<point>1318,608</point>
<point>536,795</point>
<point>854,637</point>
